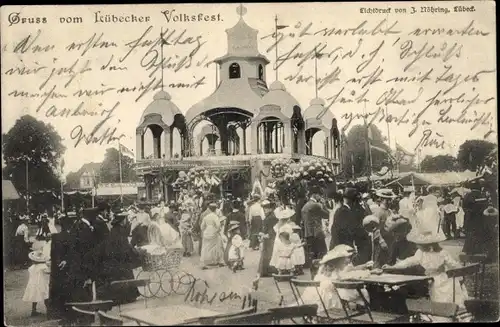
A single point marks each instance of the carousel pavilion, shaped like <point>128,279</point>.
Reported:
<point>245,125</point>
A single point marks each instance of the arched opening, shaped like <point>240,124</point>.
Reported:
<point>297,129</point>
<point>153,148</point>
<point>207,139</point>
<point>176,143</point>
<point>261,72</point>
<point>234,71</point>
<point>316,142</point>
<point>270,135</point>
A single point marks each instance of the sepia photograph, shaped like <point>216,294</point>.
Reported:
<point>249,163</point>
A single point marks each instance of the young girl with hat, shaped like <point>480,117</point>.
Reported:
<point>336,265</point>
<point>284,249</point>
<point>436,262</point>
<point>37,289</point>
<point>284,215</point>
<point>298,255</point>
<point>236,253</point>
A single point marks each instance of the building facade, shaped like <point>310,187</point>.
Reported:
<point>246,125</point>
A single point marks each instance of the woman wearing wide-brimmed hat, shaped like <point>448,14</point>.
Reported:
<point>212,250</point>
<point>37,289</point>
<point>436,262</point>
<point>267,237</point>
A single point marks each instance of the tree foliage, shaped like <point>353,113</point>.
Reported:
<point>438,164</point>
<point>72,181</point>
<point>472,153</point>
<point>32,143</point>
<point>357,150</point>
<point>110,168</point>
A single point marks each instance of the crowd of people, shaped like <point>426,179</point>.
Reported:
<point>348,233</point>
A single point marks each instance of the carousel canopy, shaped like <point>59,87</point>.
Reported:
<point>9,192</point>
<point>163,106</point>
<point>278,96</point>
<point>231,93</point>
<point>317,114</point>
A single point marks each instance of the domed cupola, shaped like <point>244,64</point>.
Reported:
<point>163,106</point>
<point>278,96</point>
<point>317,116</point>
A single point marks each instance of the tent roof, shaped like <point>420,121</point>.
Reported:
<point>9,192</point>
<point>440,179</point>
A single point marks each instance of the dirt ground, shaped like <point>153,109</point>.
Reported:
<point>220,283</point>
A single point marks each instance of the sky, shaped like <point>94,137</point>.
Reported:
<point>378,50</point>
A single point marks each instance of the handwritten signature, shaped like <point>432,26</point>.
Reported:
<point>98,135</point>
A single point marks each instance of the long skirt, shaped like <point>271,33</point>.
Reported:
<point>187,242</point>
<point>212,250</point>
<point>20,250</point>
<point>120,294</point>
<point>226,251</point>
<point>265,258</point>
<point>255,229</point>
<point>475,231</point>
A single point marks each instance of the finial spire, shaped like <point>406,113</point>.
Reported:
<point>241,10</point>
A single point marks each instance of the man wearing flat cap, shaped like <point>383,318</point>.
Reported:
<point>313,213</point>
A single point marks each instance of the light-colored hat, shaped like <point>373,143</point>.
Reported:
<point>386,193</point>
<point>409,189</point>
<point>425,237</point>
<point>371,219</point>
<point>265,203</point>
<point>233,226</point>
<point>340,251</point>
<point>37,256</point>
<point>286,229</point>
<point>490,212</point>
<point>237,241</point>
<point>365,195</point>
<point>286,213</point>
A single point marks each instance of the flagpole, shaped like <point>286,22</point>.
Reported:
<point>352,164</point>
<point>316,72</point>
<point>387,121</point>
<point>27,188</point>
<point>62,190</point>
<point>276,43</point>
<point>161,55</point>
<point>94,188</point>
<point>120,166</point>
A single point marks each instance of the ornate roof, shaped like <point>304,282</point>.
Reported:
<point>278,96</point>
<point>317,115</point>
<point>163,106</point>
<point>232,93</point>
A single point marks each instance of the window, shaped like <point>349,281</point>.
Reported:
<point>261,72</point>
<point>234,71</point>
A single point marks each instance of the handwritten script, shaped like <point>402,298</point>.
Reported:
<point>419,74</point>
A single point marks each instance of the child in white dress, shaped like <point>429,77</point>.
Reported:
<point>436,262</point>
<point>335,266</point>
<point>284,249</point>
<point>37,289</point>
<point>298,254</point>
<point>236,253</point>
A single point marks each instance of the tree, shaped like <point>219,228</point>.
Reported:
<point>438,164</point>
<point>357,150</point>
<point>110,168</point>
<point>72,181</point>
<point>472,153</point>
<point>32,147</point>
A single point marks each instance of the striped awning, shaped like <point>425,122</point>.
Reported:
<point>9,192</point>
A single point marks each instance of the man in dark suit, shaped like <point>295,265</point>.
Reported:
<point>344,222</point>
<point>313,214</point>
<point>100,224</point>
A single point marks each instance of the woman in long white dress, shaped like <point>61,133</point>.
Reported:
<point>212,248</point>
<point>429,216</point>
<point>160,233</point>
<point>284,215</point>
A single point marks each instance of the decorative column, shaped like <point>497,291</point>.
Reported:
<point>139,144</point>
<point>156,147</point>
<point>244,140</point>
<point>168,142</point>
<point>288,148</point>
<point>255,137</point>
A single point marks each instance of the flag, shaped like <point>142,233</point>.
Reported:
<point>369,133</point>
<point>62,163</point>
<point>126,151</point>
<point>280,27</point>
<point>403,156</point>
